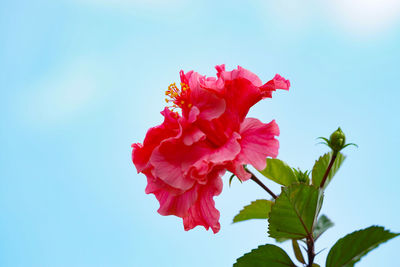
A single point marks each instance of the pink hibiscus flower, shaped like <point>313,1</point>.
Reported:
<point>185,157</point>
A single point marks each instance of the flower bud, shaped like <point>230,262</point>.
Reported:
<point>302,177</point>
<point>337,140</point>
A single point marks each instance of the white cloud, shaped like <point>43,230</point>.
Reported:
<point>365,17</point>
<point>356,17</point>
<point>60,95</point>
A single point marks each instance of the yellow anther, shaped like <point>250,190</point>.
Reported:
<point>178,96</point>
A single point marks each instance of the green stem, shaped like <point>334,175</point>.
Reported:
<point>328,170</point>
<point>310,238</point>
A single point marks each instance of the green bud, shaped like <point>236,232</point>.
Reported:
<point>302,177</point>
<point>337,141</point>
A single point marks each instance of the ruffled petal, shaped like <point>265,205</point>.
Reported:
<point>212,157</point>
<point>227,152</point>
<point>203,211</point>
<point>169,128</point>
<point>278,82</point>
<point>167,160</point>
<point>172,201</point>
<point>210,105</point>
<point>258,142</point>
<point>192,136</point>
<point>195,206</point>
<point>154,185</point>
<point>177,205</point>
<point>238,73</point>
<point>180,165</point>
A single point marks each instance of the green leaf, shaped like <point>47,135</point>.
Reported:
<point>349,249</point>
<point>279,172</point>
<point>321,165</point>
<point>297,251</point>
<point>266,255</point>
<point>322,225</point>
<point>258,209</point>
<point>295,212</point>
<point>281,239</point>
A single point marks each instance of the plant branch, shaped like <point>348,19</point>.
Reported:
<point>328,169</point>
<point>310,251</point>
<point>263,186</point>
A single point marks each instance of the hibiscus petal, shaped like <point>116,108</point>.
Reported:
<point>176,205</point>
<point>227,152</point>
<point>139,157</point>
<point>180,165</point>
<point>237,168</point>
<point>258,142</point>
<point>166,161</point>
<point>238,73</point>
<point>211,157</point>
<point>154,136</point>
<point>203,211</point>
<point>172,201</point>
<point>154,185</point>
<point>192,135</point>
<point>281,83</point>
<point>278,82</point>
<point>193,113</point>
<point>211,106</point>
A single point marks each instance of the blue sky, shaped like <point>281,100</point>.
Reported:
<point>83,79</point>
